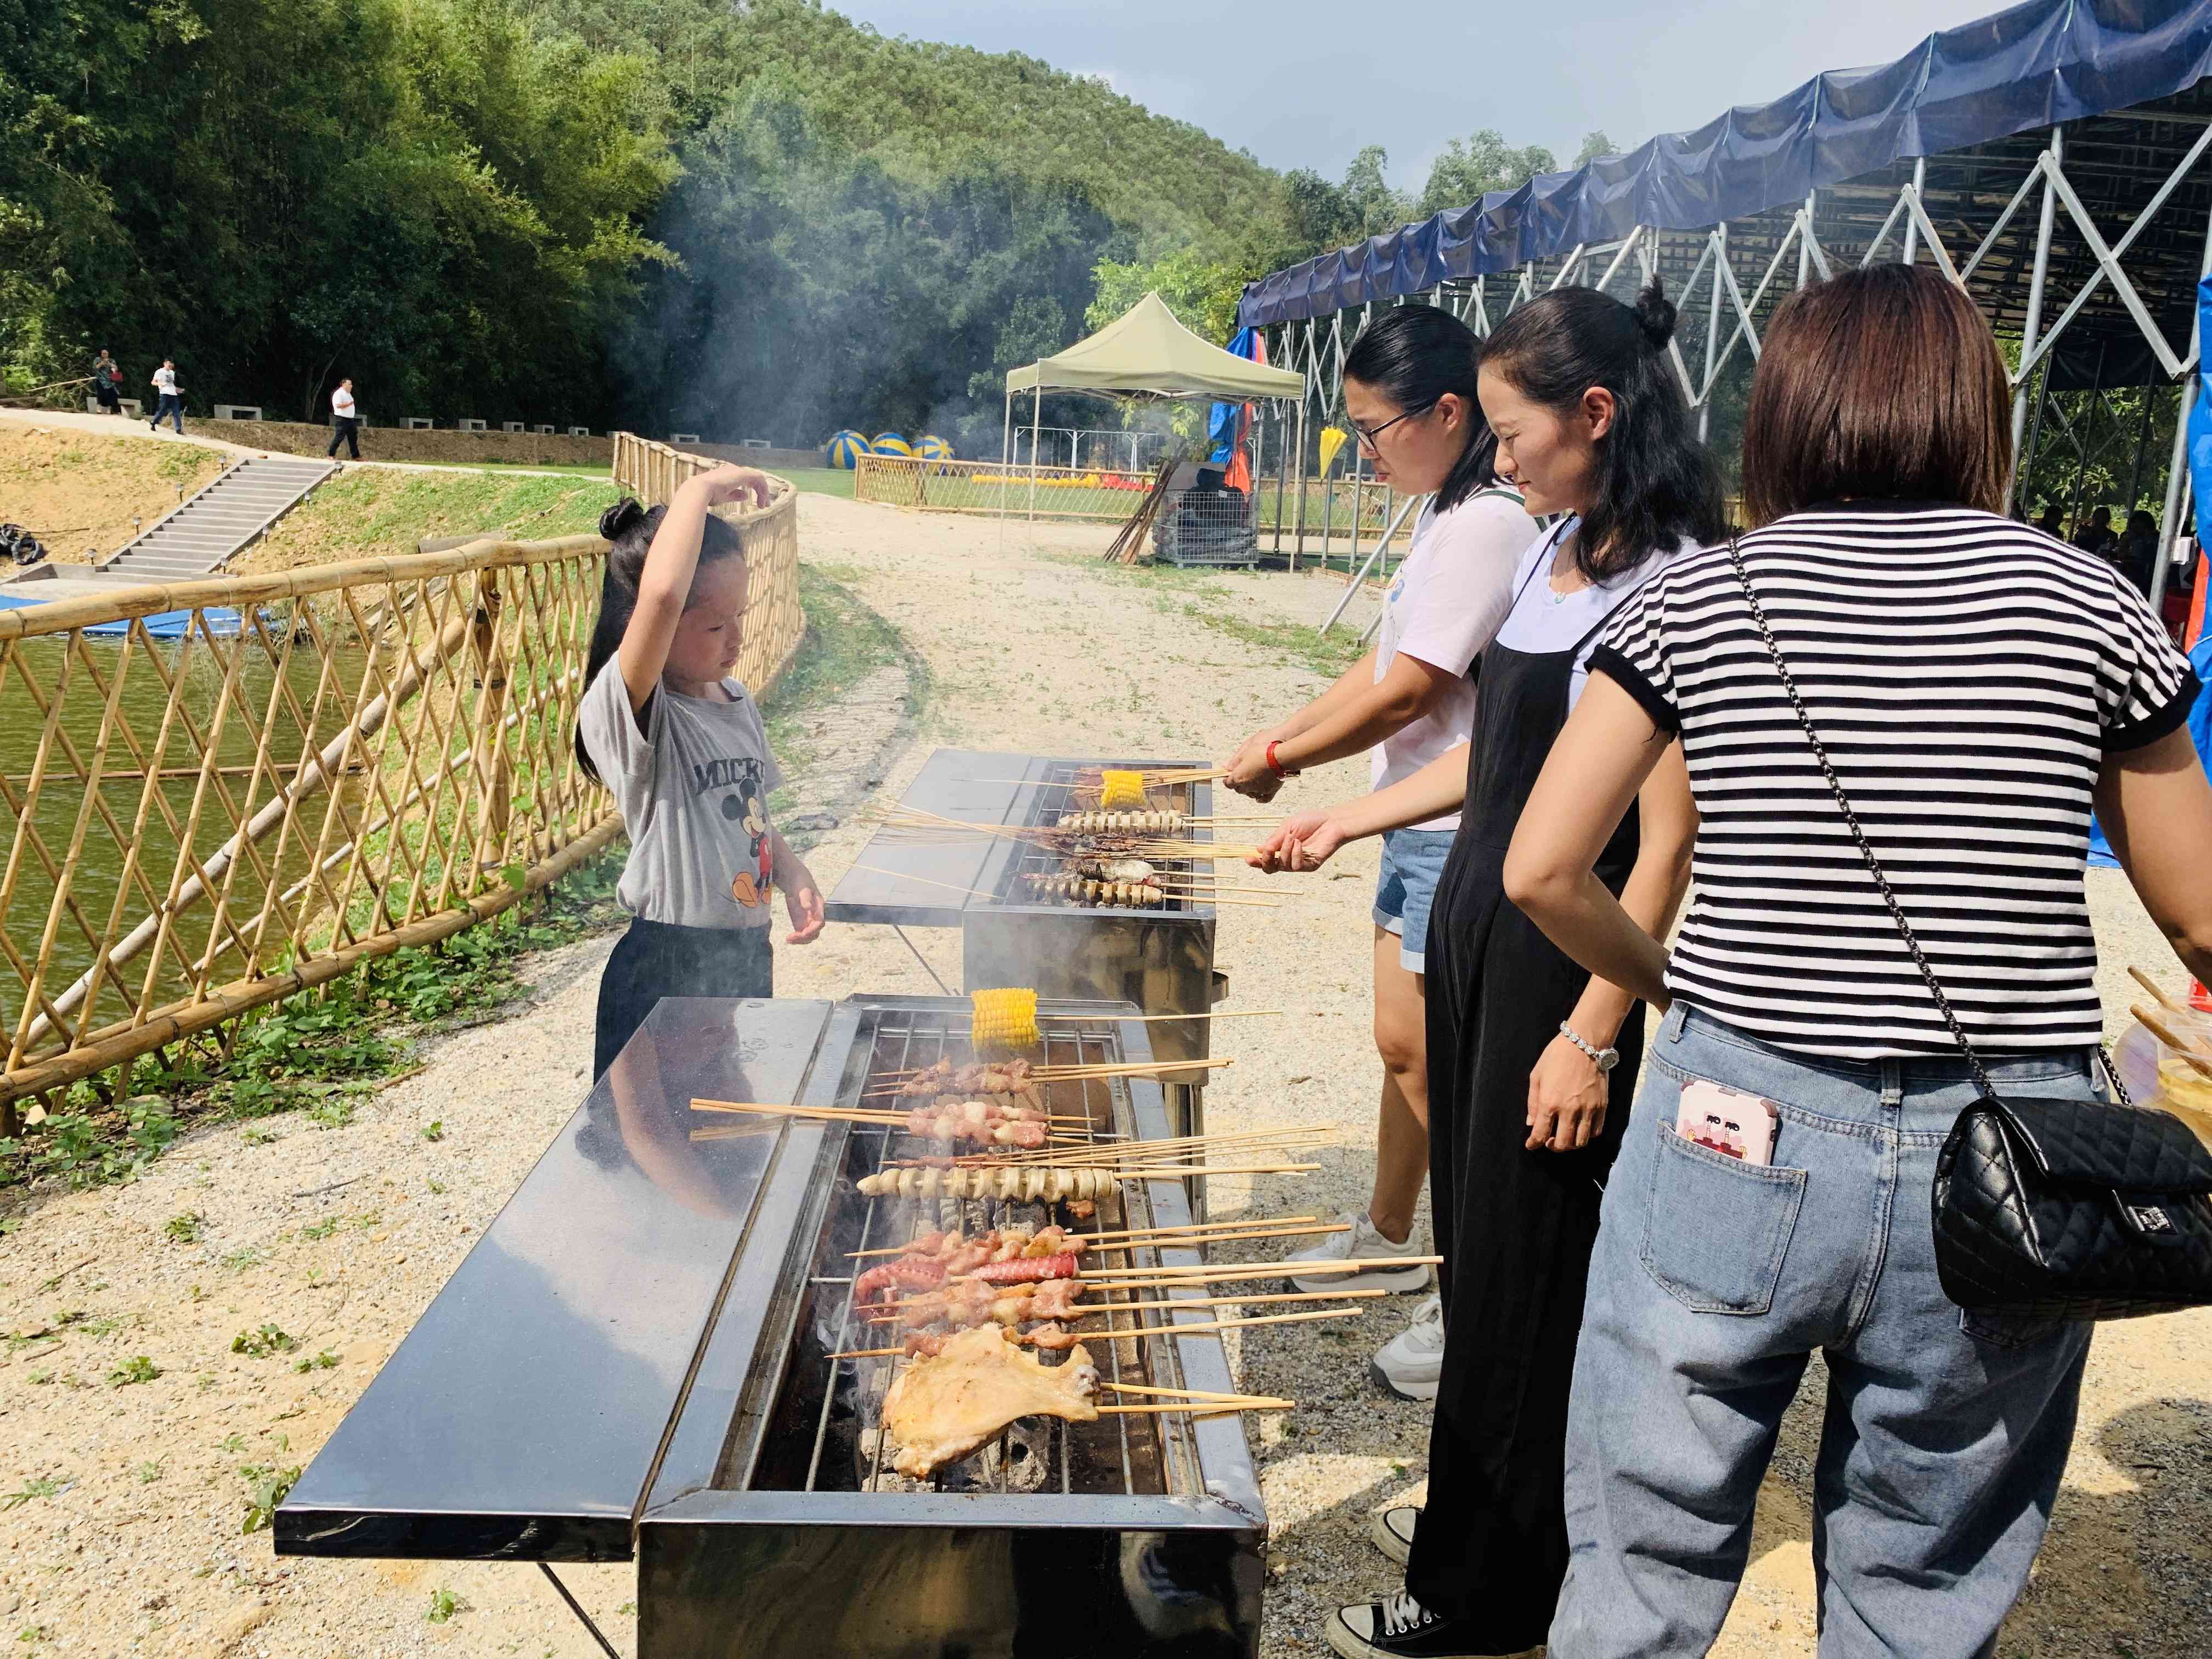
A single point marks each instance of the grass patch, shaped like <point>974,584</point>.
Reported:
<point>819,480</point>
<point>845,642</point>
<point>316,1053</point>
<point>377,512</point>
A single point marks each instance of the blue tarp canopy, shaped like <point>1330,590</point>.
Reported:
<point>2029,67</point>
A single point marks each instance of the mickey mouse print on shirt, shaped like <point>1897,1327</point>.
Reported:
<point>744,806</point>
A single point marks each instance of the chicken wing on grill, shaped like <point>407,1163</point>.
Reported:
<point>942,1408</point>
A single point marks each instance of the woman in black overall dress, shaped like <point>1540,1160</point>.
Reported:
<point>1533,1064</point>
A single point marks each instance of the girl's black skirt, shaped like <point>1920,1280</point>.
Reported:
<point>657,959</point>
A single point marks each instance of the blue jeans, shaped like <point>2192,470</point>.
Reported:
<point>1406,888</point>
<point>171,408</point>
<point>1713,1280</point>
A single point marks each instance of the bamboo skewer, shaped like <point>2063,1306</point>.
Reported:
<point>885,1312</point>
<point>1138,1151</point>
<point>2155,1025</point>
<point>1204,1273</point>
<point>843,1114</point>
<point>2157,995</point>
<point>1185,1394</point>
<point>1148,1330</point>
<point>1114,1246</point>
<point>1200,1408</point>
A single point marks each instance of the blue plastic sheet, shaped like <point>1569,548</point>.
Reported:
<point>2030,66</point>
<point>1225,424</point>
<point>163,625</point>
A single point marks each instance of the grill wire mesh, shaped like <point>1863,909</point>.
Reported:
<point>1124,1453</point>
<point>1059,793</point>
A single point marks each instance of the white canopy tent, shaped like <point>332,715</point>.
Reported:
<point>1145,352</point>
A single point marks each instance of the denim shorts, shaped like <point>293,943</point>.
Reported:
<point>1413,863</point>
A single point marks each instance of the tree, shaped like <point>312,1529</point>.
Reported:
<point>1468,170</point>
<point>1595,147</point>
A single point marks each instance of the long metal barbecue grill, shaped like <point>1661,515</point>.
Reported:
<point>635,1361</point>
<point>1160,958</point>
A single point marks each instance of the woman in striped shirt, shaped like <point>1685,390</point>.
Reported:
<point>1978,686</point>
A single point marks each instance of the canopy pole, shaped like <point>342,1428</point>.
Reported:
<point>1913,220</point>
<point>1006,441</point>
<point>1036,433</point>
<point>1298,537</point>
<point>1712,332</point>
<point>2033,324</point>
<point>1282,466</point>
<point>2177,472</point>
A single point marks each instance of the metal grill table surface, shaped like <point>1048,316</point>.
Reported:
<point>635,1361</point>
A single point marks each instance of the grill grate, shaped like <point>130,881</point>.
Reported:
<point>1117,1453</point>
<point>1057,794</point>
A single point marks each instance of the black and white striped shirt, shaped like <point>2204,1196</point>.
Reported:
<point>1968,675</point>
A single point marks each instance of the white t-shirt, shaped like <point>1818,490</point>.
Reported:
<point>165,379</point>
<point>342,404</point>
<point>1542,619</point>
<point>1452,592</point>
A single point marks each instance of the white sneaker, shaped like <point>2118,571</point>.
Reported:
<point>1409,1363</point>
<point>1360,1243</point>
<point>1392,1531</point>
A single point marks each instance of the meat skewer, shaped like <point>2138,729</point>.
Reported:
<point>1047,1336</point>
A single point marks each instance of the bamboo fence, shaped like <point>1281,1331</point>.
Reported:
<point>993,487</point>
<point>327,765</point>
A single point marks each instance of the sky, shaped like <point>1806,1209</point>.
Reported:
<point>1306,83</point>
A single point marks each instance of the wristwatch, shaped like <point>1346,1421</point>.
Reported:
<point>1604,1059</point>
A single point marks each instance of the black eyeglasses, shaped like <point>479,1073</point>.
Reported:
<point>1367,438</point>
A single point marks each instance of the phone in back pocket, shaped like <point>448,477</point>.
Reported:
<point>1728,1121</point>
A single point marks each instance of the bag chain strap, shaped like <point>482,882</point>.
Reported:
<point>1866,850</point>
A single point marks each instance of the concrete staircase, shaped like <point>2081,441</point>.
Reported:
<point>202,535</point>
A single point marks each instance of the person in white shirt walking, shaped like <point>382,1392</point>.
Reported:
<point>345,422</point>
<point>171,406</point>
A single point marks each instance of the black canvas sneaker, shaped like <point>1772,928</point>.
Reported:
<point>1401,1628</point>
<point>1392,1531</point>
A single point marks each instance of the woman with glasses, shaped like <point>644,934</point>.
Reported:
<point>1409,390</point>
<point>1534,1060</point>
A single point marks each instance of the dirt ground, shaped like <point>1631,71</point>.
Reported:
<point>79,495</point>
<point>123,1529</point>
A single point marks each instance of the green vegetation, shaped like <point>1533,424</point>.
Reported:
<point>184,1229</point>
<point>444,1604</point>
<point>266,1486</point>
<point>1188,595</point>
<point>375,513</point>
<point>38,1485</point>
<point>263,1344</point>
<point>758,220</point>
<point>136,1368</point>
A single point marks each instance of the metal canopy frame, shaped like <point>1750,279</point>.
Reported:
<point>2105,222</point>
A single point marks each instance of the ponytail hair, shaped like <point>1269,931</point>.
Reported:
<point>629,529</point>
<point>1655,482</point>
<point>1415,356</point>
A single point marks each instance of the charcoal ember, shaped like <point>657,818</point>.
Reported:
<point>1021,1460</point>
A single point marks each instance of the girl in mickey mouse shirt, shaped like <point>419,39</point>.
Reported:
<point>682,746</point>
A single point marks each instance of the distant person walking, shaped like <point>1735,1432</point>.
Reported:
<point>2096,535</point>
<point>107,383</point>
<point>345,422</point>
<point>170,407</point>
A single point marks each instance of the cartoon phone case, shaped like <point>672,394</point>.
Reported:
<point>1728,1121</point>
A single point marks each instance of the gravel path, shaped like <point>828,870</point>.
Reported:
<point>141,1550</point>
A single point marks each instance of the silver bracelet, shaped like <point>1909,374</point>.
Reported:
<point>1604,1059</point>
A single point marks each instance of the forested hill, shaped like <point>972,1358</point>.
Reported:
<point>754,219</point>
<point>926,111</point>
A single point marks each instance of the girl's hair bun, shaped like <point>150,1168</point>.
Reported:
<point>1655,315</point>
<point>618,521</point>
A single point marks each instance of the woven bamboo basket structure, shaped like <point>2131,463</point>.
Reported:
<point>295,773</point>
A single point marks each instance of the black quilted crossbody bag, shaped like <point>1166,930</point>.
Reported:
<point>2048,1209</point>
